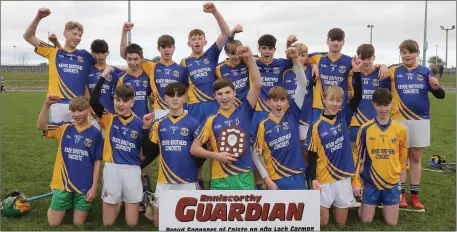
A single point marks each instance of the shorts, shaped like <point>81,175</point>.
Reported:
<point>303,131</point>
<point>317,113</point>
<point>201,110</point>
<point>338,194</point>
<point>60,112</point>
<point>122,182</point>
<point>374,196</point>
<point>418,132</point>
<point>353,131</point>
<point>295,182</point>
<point>244,181</point>
<point>165,187</point>
<point>63,201</point>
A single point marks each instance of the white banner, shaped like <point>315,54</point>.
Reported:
<point>230,210</point>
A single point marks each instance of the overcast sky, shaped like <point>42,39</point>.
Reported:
<point>393,22</point>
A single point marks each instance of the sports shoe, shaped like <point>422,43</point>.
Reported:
<point>415,202</point>
<point>403,203</point>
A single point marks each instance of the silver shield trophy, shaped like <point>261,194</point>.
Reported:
<point>233,140</point>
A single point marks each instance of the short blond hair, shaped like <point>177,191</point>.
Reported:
<point>301,48</point>
<point>277,93</point>
<point>79,103</point>
<point>333,91</point>
<point>74,25</point>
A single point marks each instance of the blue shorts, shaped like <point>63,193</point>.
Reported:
<point>316,113</point>
<point>295,182</point>
<point>353,130</point>
<point>374,196</point>
<point>201,110</point>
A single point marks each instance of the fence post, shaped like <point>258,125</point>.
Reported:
<point>16,86</point>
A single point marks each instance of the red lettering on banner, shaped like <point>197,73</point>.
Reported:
<point>235,212</point>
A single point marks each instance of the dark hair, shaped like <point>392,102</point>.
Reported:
<point>382,96</point>
<point>124,92</point>
<point>267,40</point>
<point>336,34</point>
<point>222,83</point>
<point>175,88</point>
<point>165,41</point>
<point>365,51</point>
<point>134,48</point>
<point>99,46</point>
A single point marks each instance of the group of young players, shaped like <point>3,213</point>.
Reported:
<point>323,121</point>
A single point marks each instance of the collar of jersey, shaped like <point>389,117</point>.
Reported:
<point>100,67</point>
<point>166,63</point>
<point>125,122</point>
<point>328,120</point>
<point>127,71</point>
<point>81,129</point>
<point>69,51</point>
<point>275,119</point>
<point>381,126</point>
<point>227,62</point>
<point>196,56</point>
<point>173,120</point>
<point>369,72</point>
<point>266,63</point>
<point>226,113</point>
<point>409,69</point>
<point>334,59</point>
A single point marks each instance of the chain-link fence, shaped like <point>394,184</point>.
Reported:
<point>26,85</point>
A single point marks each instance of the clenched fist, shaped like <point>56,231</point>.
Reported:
<point>243,51</point>
<point>43,12</point>
<point>209,7</point>
<point>127,26</point>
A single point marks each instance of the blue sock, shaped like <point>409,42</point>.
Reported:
<point>259,186</point>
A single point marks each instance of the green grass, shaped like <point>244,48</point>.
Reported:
<point>27,161</point>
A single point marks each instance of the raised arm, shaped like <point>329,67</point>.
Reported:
<point>95,97</point>
<point>223,26</point>
<point>246,54</point>
<point>291,40</point>
<point>355,100</point>
<point>124,43</point>
<point>53,39</point>
<point>42,122</point>
<point>300,90</point>
<point>237,29</point>
<point>29,34</point>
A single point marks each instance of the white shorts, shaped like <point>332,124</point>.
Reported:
<point>418,132</point>
<point>160,114</point>
<point>303,131</point>
<point>122,182</point>
<point>162,188</point>
<point>338,194</point>
<point>60,112</point>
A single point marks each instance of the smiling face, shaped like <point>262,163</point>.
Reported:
<point>225,97</point>
<point>73,37</point>
<point>278,101</point>
<point>333,99</point>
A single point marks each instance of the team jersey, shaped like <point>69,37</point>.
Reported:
<point>122,139</point>
<point>161,74</point>
<point>271,74</point>
<point>175,137</point>
<point>209,131</point>
<point>239,75</point>
<point>107,92</point>
<point>141,85</point>
<point>79,148</point>
<point>330,140</point>
<point>384,151</point>
<point>410,87</point>
<point>68,71</point>
<point>365,112</point>
<point>290,84</point>
<point>201,74</point>
<point>331,72</point>
<point>279,138</point>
